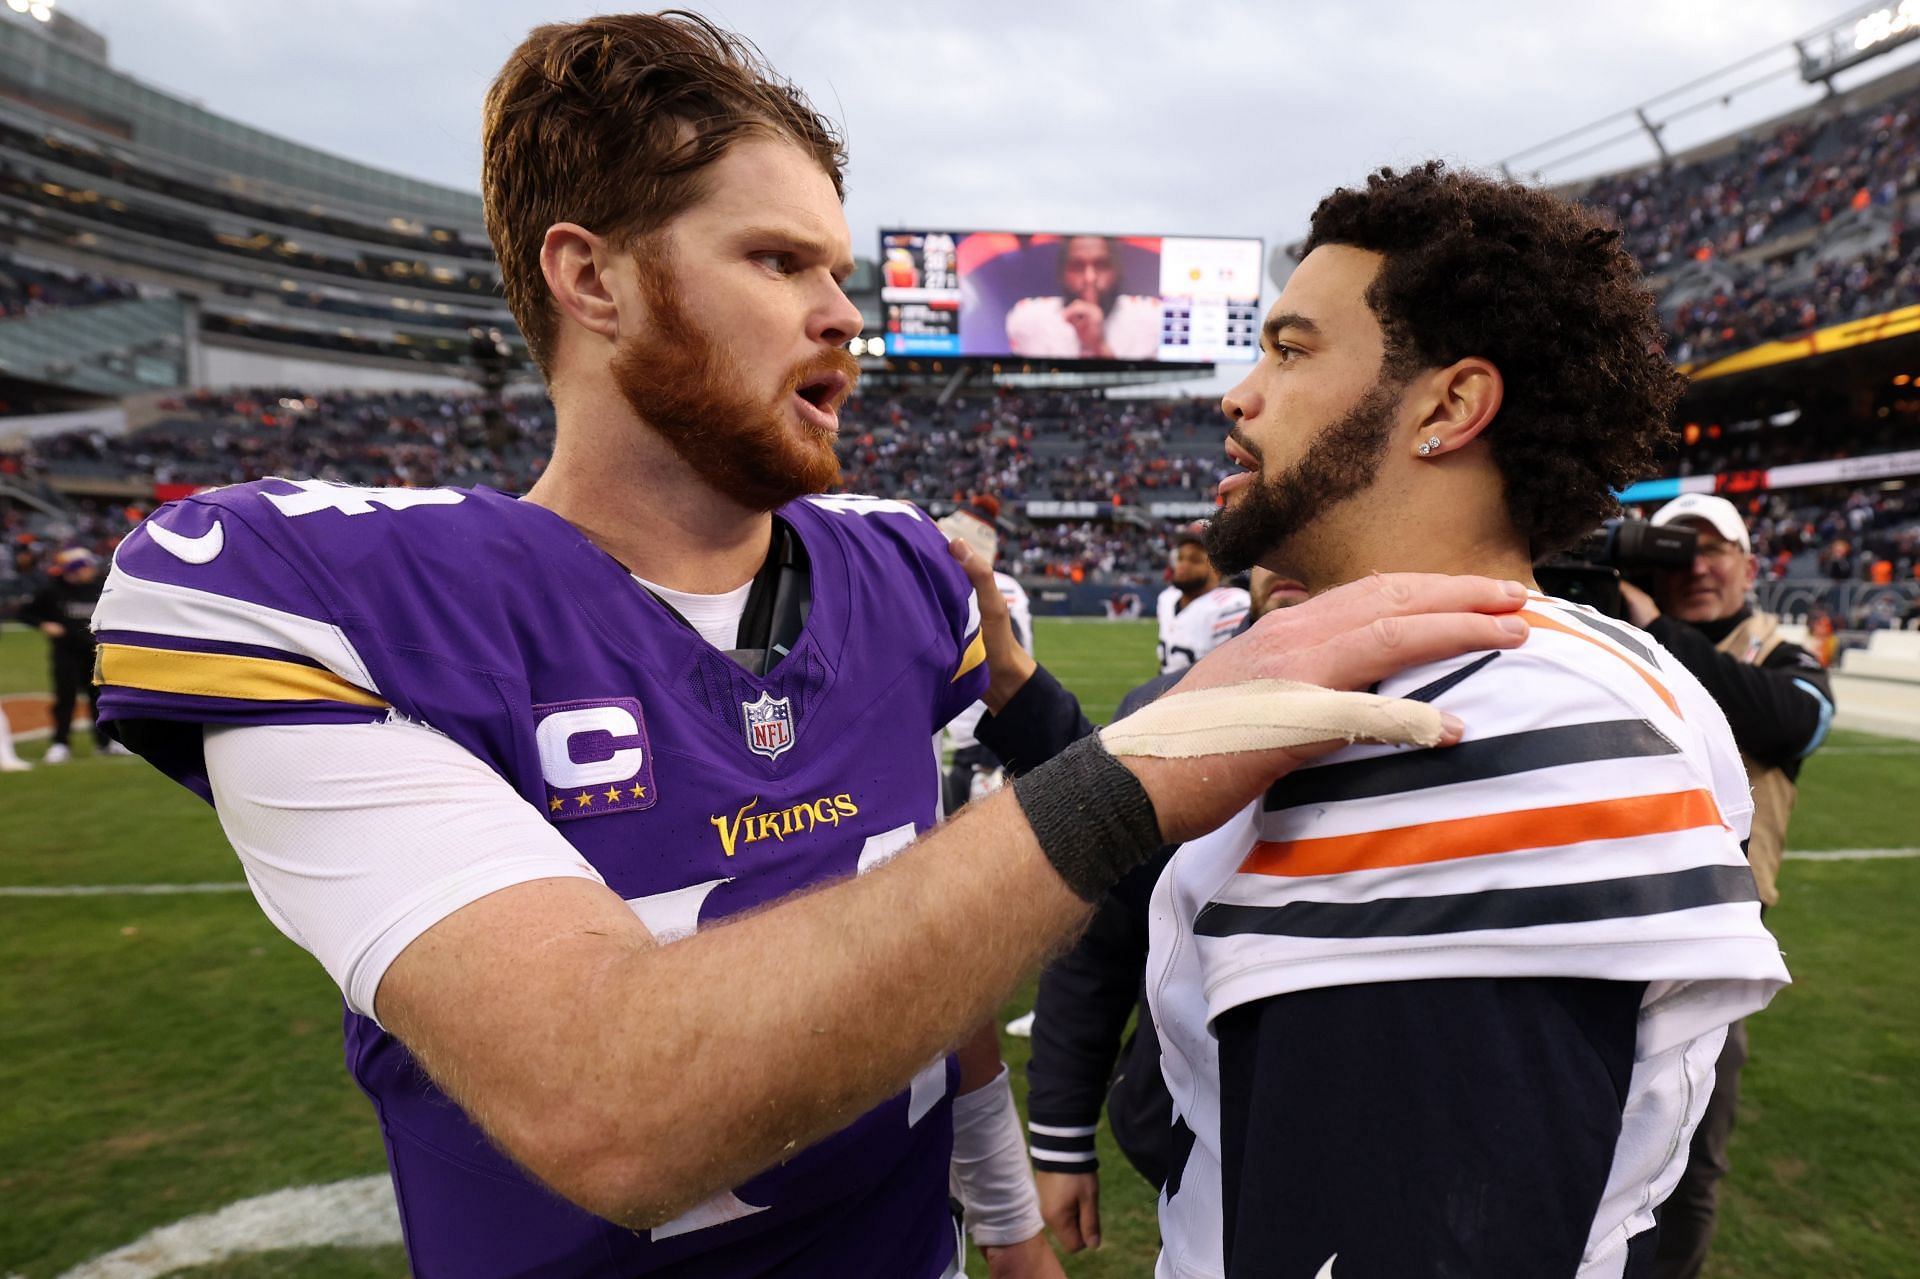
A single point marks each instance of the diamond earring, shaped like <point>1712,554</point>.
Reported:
<point>1431,446</point>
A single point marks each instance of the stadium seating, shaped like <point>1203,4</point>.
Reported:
<point>1781,234</point>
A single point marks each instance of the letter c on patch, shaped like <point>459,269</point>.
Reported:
<point>555,736</point>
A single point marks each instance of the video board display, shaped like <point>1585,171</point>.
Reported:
<point>1055,297</point>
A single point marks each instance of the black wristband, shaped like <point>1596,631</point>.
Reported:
<point>1091,815</point>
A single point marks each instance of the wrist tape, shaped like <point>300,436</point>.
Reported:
<point>989,1170</point>
<point>1094,819</point>
<point>1091,815</point>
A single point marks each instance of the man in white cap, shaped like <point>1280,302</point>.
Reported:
<point>1779,704</point>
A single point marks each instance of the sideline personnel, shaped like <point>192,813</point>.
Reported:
<point>1779,703</point>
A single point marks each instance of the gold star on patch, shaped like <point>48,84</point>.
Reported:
<point>639,792</point>
<point>613,794</point>
<point>583,799</point>
<point>555,803</point>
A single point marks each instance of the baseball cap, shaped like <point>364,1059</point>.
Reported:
<point>1717,512</point>
<point>74,557</point>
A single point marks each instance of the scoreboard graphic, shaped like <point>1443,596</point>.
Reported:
<point>1067,297</point>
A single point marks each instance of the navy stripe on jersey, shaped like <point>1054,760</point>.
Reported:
<point>195,644</point>
<point>1470,761</point>
<point>1446,683</point>
<point>1615,633</point>
<point>1627,898</point>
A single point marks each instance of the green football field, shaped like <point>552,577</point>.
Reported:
<point>163,1056</point>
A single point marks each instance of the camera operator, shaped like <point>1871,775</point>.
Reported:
<point>1779,703</point>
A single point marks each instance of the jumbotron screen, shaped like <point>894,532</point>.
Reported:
<point>997,294</point>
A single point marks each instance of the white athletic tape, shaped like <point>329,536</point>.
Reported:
<point>1267,714</point>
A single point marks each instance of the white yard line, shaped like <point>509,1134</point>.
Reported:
<point>353,1214</point>
<point>1854,855</point>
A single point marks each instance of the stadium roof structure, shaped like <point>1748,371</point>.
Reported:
<point>66,84</point>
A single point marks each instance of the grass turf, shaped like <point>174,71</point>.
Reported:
<point>163,1056</point>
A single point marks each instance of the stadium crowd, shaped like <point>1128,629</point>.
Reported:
<point>27,290</point>
<point>1763,211</point>
<point>1121,455</point>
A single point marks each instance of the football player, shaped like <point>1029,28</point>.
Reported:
<point>1196,613</point>
<point>1455,1012</point>
<point>593,803</point>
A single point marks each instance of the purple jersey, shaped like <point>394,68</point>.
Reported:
<point>695,789</point>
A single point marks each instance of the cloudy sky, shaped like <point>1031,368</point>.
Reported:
<point>1222,117</point>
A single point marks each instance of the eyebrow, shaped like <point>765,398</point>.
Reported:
<point>800,241</point>
<point>1270,331</point>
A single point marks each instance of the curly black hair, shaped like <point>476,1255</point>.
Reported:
<point>1543,288</point>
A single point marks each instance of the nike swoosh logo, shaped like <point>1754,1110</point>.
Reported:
<point>1326,1271</point>
<point>194,550</point>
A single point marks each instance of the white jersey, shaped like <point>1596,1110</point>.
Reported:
<point>960,733</point>
<point>1189,634</point>
<point>1589,826</point>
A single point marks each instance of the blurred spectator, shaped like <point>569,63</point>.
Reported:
<point>63,612</point>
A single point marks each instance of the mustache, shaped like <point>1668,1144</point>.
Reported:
<point>1240,437</point>
<point>835,360</point>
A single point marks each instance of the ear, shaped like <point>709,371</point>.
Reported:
<point>1464,397</point>
<point>575,262</point>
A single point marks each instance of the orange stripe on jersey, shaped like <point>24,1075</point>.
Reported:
<point>1551,624</point>
<point>1635,815</point>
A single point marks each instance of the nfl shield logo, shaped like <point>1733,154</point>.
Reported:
<point>769,725</point>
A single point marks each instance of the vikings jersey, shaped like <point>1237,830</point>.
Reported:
<point>695,789</point>
<point>1189,634</point>
<point>1589,826</point>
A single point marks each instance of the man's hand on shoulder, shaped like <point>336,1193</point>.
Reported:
<point>1349,639</point>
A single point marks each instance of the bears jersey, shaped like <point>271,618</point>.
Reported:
<point>1589,826</point>
<point>695,789</point>
<point>1189,634</point>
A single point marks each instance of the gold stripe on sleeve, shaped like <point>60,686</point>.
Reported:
<point>254,679</point>
<point>976,653</point>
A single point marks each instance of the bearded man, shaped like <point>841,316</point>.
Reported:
<point>596,804</point>
<point>1449,1013</point>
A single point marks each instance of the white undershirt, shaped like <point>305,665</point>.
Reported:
<point>716,617</point>
<point>319,814</point>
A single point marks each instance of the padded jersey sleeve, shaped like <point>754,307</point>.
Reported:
<point>295,602</point>
<point>1578,831</point>
<point>204,619</point>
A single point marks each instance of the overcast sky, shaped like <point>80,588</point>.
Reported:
<point>1145,116</point>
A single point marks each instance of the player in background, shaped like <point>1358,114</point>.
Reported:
<point>1196,613</point>
<point>1451,1012</point>
<point>973,770</point>
<point>542,783</point>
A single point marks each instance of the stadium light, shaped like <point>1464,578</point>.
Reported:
<point>41,9</point>
<point>1884,24</point>
<point>19,6</point>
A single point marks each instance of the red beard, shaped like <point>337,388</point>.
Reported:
<point>686,385</point>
